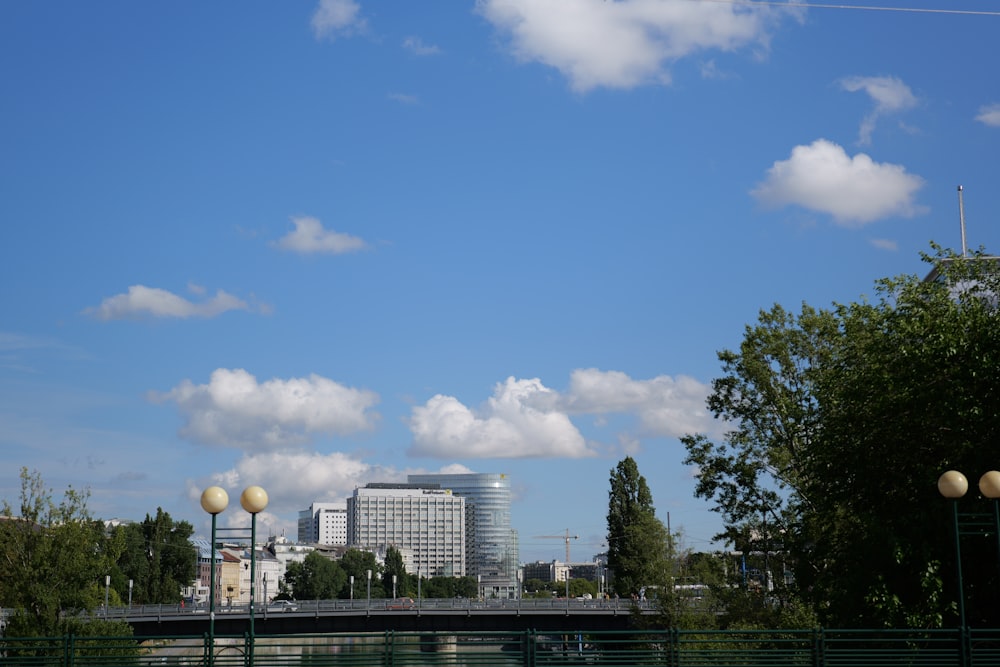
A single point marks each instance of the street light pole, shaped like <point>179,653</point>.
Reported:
<point>352,590</point>
<point>213,500</point>
<point>953,485</point>
<point>370,588</point>
<point>254,501</point>
<point>394,586</point>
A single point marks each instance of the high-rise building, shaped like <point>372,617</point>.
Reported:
<point>492,550</point>
<point>423,521</point>
<point>324,523</point>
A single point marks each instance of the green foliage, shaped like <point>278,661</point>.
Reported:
<point>639,548</point>
<point>54,558</point>
<point>316,578</point>
<point>406,584</point>
<point>157,556</point>
<point>358,563</point>
<point>449,587</point>
<point>841,422</point>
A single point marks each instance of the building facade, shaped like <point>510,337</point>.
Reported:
<point>323,523</point>
<point>424,522</point>
<point>492,549</point>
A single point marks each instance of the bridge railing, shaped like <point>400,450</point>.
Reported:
<point>667,648</point>
<point>165,611</point>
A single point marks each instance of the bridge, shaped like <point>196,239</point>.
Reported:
<point>354,616</point>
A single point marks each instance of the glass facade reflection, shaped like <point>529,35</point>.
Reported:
<point>492,550</point>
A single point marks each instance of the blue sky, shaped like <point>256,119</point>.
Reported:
<point>309,245</point>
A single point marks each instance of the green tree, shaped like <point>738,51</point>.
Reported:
<point>840,421</point>
<point>358,563</point>
<point>394,567</point>
<point>316,578</point>
<point>54,558</point>
<point>157,556</point>
<point>639,547</point>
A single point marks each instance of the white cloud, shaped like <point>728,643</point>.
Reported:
<point>310,237</point>
<point>416,46</point>
<point>154,302</point>
<point>525,419</point>
<point>664,405</point>
<point>513,424</point>
<point>855,191</point>
<point>233,409</point>
<point>337,18</point>
<point>294,479</point>
<point>404,98</point>
<point>624,44</point>
<point>885,244</point>
<point>989,115</point>
<point>890,95</point>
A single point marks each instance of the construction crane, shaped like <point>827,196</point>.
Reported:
<point>566,537</point>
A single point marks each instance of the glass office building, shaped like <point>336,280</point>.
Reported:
<point>492,550</point>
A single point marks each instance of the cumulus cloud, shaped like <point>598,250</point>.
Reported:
<point>512,424</point>
<point>311,237</point>
<point>416,46</point>
<point>337,18</point>
<point>889,94</point>
<point>234,410</point>
<point>624,44</point>
<point>665,406</point>
<point>526,419</point>
<point>854,190</point>
<point>142,301</point>
<point>989,115</point>
<point>295,479</point>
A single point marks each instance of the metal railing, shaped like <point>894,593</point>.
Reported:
<point>669,648</point>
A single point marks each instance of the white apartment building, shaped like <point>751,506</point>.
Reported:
<point>425,522</point>
<point>324,523</point>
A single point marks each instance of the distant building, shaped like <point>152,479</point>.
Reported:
<point>492,549</point>
<point>424,522</point>
<point>323,523</point>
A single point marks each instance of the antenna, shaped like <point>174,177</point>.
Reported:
<point>961,220</point>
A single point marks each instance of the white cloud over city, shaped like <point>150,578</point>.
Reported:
<point>524,418</point>
<point>854,190</point>
<point>628,43</point>
<point>142,301</point>
<point>234,409</point>
<point>989,115</point>
<point>310,237</point>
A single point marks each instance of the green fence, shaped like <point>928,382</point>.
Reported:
<point>670,648</point>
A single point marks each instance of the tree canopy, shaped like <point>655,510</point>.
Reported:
<point>840,422</point>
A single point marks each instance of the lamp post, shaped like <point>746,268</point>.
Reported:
<point>352,591</point>
<point>953,485</point>
<point>254,501</point>
<point>394,587</point>
<point>213,500</point>
<point>370,588</point>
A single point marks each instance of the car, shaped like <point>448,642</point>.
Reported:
<point>282,605</point>
<point>400,603</point>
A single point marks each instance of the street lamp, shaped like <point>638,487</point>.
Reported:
<point>954,485</point>
<point>369,588</point>
<point>394,587</point>
<point>254,501</point>
<point>352,591</point>
<point>213,500</point>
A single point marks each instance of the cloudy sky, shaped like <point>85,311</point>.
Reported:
<point>309,245</point>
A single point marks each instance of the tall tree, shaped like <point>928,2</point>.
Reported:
<point>638,543</point>
<point>157,556</point>
<point>394,567</point>
<point>840,421</point>
<point>358,563</point>
<point>54,558</point>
